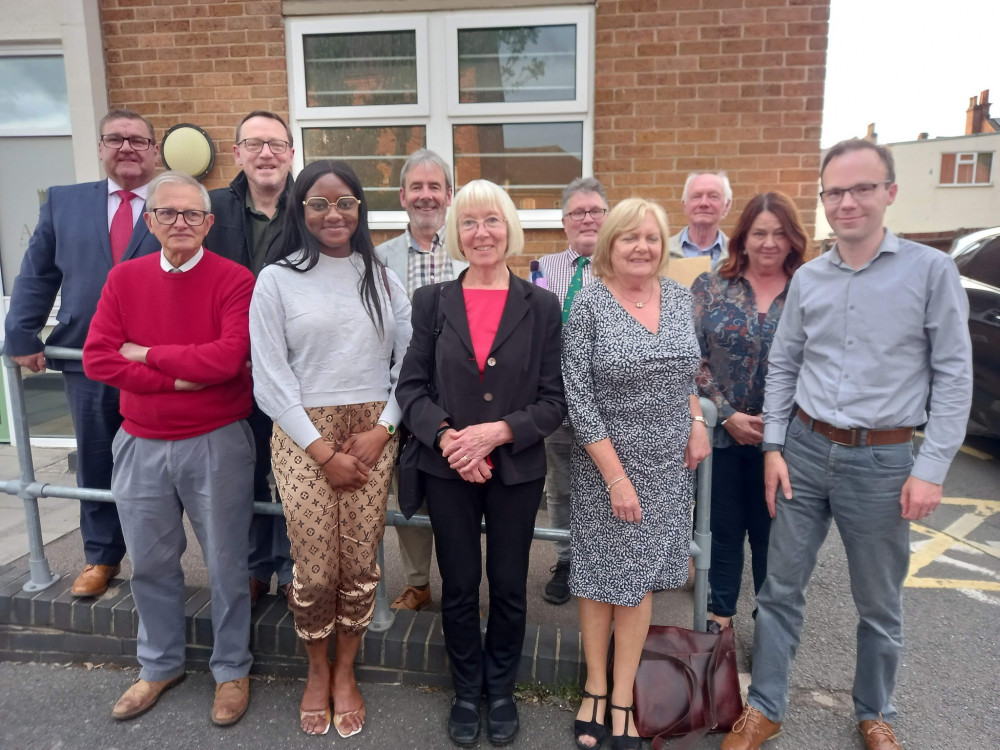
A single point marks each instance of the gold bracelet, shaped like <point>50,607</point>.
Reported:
<point>612,484</point>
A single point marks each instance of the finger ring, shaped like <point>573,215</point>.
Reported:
<point>465,458</point>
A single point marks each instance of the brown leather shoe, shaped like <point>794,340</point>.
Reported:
<point>140,697</point>
<point>257,587</point>
<point>878,735</point>
<point>93,581</point>
<point>751,731</point>
<point>413,598</point>
<point>231,701</point>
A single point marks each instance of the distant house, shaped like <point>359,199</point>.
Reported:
<point>947,186</point>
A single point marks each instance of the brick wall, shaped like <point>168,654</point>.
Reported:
<point>200,61</point>
<point>681,85</point>
<point>685,85</point>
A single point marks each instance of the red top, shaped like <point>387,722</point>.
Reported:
<point>484,308</point>
<point>197,325</point>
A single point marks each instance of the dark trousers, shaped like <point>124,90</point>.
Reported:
<point>93,407</point>
<point>738,511</point>
<point>456,508</point>
<point>270,550</point>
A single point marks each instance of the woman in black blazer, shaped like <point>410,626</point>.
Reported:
<point>480,388</point>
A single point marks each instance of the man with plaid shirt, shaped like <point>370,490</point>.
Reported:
<point>419,256</point>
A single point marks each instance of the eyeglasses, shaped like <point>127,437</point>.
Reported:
<point>593,213</point>
<point>320,205</point>
<point>859,192</point>
<point>137,142</point>
<point>256,145</point>
<point>471,225</point>
<point>169,216</point>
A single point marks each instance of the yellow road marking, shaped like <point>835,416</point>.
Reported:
<point>976,453</point>
<point>955,535</point>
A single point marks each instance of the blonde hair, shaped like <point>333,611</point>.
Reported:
<point>483,194</point>
<point>625,217</point>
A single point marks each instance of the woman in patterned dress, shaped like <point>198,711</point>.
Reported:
<point>736,310</point>
<point>629,361</point>
<point>329,326</point>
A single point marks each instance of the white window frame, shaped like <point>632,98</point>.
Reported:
<point>437,108</point>
<point>968,159</point>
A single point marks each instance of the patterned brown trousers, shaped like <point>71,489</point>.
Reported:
<point>334,535</point>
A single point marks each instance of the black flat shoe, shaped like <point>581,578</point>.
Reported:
<point>501,719</point>
<point>592,728</point>
<point>463,722</point>
<point>624,741</point>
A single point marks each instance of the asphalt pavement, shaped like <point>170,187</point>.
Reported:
<point>947,692</point>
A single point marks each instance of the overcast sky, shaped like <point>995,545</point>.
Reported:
<point>909,66</point>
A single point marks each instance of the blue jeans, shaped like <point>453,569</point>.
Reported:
<point>859,488</point>
<point>738,511</point>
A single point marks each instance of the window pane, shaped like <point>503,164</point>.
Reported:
<point>364,69</point>
<point>532,161</point>
<point>375,154</point>
<point>517,64</point>
<point>963,174</point>
<point>984,166</point>
<point>33,95</point>
<point>947,169</point>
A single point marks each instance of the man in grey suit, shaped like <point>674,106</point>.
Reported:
<point>707,199</point>
<point>83,231</point>
<point>418,256</point>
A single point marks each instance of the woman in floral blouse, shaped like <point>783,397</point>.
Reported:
<point>736,310</point>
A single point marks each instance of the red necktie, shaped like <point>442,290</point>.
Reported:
<point>121,226</point>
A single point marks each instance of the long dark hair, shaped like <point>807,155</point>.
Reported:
<point>295,237</point>
<point>785,211</point>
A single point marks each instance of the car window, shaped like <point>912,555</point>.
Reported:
<point>982,263</point>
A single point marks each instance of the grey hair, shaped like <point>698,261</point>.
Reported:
<point>175,178</point>
<point>425,156</point>
<point>584,185</point>
<point>727,190</point>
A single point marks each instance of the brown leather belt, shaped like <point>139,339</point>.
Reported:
<point>853,436</point>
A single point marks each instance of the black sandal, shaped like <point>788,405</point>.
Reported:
<point>592,728</point>
<point>624,741</point>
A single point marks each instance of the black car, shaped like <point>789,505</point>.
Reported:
<point>978,259</point>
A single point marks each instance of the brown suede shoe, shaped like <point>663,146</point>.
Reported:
<point>413,598</point>
<point>231,701</point>
<point>878,735</point>
<point>751,731</point>
<point>141,697</point>
<point>257,587</point>
<point>93,581</point>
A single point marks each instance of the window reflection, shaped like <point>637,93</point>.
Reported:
<point>33,95</point>
<point>375,154</point>
<point>532,161</point>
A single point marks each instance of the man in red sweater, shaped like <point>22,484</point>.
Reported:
<point>171,332</point>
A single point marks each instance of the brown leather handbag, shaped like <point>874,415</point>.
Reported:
<point>686,686</point>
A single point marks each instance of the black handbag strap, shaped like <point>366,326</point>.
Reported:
<point>689,740</point>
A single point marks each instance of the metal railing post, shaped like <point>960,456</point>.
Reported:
<point>384,616</point>
<point>41,575</point>
<point>702,543</point>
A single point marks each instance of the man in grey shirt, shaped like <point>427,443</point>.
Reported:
<point>873,342</point>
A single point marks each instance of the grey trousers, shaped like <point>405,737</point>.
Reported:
<point>859,488</point>
<point>154,483</point>
<point>558,448</point>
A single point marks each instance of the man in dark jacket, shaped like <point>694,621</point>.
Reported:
<point>249,215</point>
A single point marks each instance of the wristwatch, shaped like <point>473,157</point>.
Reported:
<point>389,427</point>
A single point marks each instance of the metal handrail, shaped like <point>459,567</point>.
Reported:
<point>41,576</point>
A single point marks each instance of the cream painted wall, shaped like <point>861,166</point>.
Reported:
<point>922,205</point>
